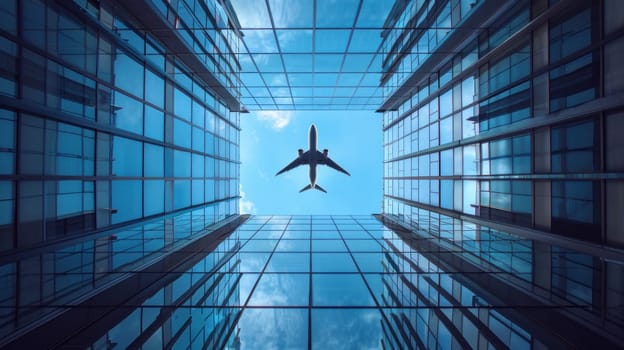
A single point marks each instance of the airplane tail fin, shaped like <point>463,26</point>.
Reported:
<point>315,187</point>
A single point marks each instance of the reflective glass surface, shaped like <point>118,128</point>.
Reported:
<point>281,283</point>
<point>309,55</point>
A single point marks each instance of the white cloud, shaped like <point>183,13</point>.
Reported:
<point>245,206</point>
<point>278,119</point>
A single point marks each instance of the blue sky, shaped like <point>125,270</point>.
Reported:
<point>270,140</point>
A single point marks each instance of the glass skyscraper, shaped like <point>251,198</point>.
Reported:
<point>108,120</point>
<point>501,221</point>
<point>511,130</point>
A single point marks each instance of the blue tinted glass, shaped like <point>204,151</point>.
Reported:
<point>280,328</point>
<point>198,139</point>
<point>6,202</point>
<point>181,164</point>
<point>181,133</point>
<point>197,191</point>
<point>181,193</point>
<point>340,290</point>
<point>128,113</point>
<point>198,165</point>
<point>127,157</point>
<point>290,262</point>
<point>128,74</point>
<point>154,160</point>
<point>281,290</point>
<point>127,200</point>
<point>7,129</point>
<point>69,198</point>
<point>573,34</point>
<point>8,15</point>
<point>154,89</point>
<point>154,193</point>
<point>332,262</point>
<point>7,83</point>
<point>154,123</point>
<point>446,194</point>
<point>209,144</point>
<point>181,104</point>
<point>346,328</point>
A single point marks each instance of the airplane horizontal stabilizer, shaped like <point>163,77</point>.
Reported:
<point>315,187</point>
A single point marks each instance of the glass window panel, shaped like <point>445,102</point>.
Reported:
<point>181,164</point>
<point>198,139</point>
<point>340,290</point>
<point>127,157</point>
<point>8,11</point>
<point>154,88</point>
<point>154,197</point>
<point>333,328</point>
<point>283,327</point>
<point>571,35</point>
<point>181,133</point>
<point>181,194</point>
<point>128,113</point>
<point>154,160</point>
<point>332,262</point>
<point>129,74</point>
<point>6,204</point>
<point>181,104</point>
<point>8,69</point>
<point>281,290</point>
<point>127,200</point>
<point>154,123</point>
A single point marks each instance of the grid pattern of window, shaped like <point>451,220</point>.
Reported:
<point>39,285</point>
<point>501,127</point>
<point>320,282</point>
<point>102,123</point>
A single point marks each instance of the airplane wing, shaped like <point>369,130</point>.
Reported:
<point>330,163</point>
<point>295,163</point>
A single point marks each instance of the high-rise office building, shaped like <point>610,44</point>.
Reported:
<point>503,184</point>
<point>115,111</point>
<point>504,117</point>
<point>508,113</point>
<point>111,112</point>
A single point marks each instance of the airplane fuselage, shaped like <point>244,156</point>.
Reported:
<point>312,157</point>
<point>312,138</point>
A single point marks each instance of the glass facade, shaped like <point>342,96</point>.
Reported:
<point>105,121</point>
<point>501,223</point>
<point>316,282</point>
<point>512,126</point>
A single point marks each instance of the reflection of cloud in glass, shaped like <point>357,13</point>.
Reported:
<point>345,329</point>
<point>281,290</point>
<point>274,329</point>
<point>340,290</point>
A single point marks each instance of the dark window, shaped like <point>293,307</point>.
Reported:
<point>506,201</point>
<point>573,275</point>
<point>570,35</point>
<point>574,83</point>
<point>576,209</point>
<point>575,148</point>
<point>505,108</point>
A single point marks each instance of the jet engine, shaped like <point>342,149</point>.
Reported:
<point>300,151</point>
<point>325,151</point>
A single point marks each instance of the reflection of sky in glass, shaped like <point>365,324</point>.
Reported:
<point>274,329</point>
<point>346,329</point>
<point>381,287</point>
<point>281,36</point>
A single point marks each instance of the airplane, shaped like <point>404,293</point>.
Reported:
<point>312,157</point>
